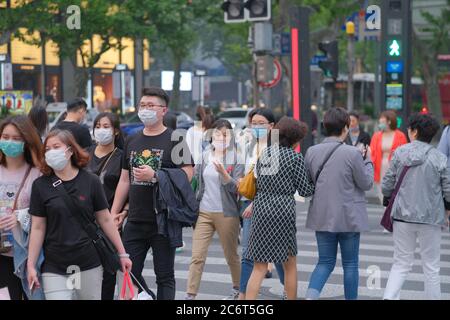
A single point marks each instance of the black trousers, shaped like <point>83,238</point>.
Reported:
<point>138,238</point>
<point>8,279</point>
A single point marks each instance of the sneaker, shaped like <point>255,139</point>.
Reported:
<point>233,296</point>
<point>385,231</point>
<point>180,249</point>
<point>268,274</point>
<point>189,297</point>
<point>284,296</point>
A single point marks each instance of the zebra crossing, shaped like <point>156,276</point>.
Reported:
<point>376,252</point>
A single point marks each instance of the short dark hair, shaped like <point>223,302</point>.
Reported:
<point>354,114</point>
<point>264,112</point>
<point>156,92</point>
<point>335,120</point>
<point>391,116</point>
<point>76,104</point>
<point>290,131</point>
<point>426,125</point>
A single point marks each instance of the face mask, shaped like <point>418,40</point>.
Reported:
<point>220,146</point>
<point>56,159</point>
<point>382,126</point>
<point>148,117</point>
<point>259,132</point>
<point>12,149</point>
<point>103,136</point>
<point>354,130</point>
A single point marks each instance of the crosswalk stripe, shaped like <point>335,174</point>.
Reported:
<point>337,289</point>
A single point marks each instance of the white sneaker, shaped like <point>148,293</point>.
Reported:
<point>234,295</point>
<point>144,296</point>
<point>189,297</point>
<point>385,231</point>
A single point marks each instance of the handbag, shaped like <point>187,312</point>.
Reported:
<point>107,253</point>
<point>247,186</point>
<point>386,220</point>
<point>14,208</point>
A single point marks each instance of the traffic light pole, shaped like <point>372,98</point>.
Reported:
<point>300,58</point>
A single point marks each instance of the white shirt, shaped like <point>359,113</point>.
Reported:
<point>212,200</point>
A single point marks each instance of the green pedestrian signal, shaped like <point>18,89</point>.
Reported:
<point>394,48</point>
<point>399,122</point>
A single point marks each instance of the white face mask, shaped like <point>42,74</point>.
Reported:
<point>220,145</point>
<point>148,117</point>
<point>56,159</point>
<point>103,136</point>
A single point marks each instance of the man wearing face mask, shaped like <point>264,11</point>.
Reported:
<point>76,112</point>
<point>356,135</point>
<point>145,153</point>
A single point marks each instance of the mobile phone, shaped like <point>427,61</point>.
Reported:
<point>32,286</point>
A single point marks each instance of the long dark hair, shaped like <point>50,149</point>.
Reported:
<point>39,117</point>
<point>33,150</point>
<point>115,122</point>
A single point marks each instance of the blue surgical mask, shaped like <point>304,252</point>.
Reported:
<point>12,149</point>
<point>259,132</point>
<point>382,126</point>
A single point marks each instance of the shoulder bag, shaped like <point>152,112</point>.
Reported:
<point>105,249</point>
<point>326,160</point>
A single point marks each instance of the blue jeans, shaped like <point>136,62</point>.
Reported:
<point>246,264</point>
<point>327,243</point>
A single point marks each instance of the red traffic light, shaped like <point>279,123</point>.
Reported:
<point>424,110</point>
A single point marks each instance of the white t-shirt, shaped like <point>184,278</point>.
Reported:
<point>211,201</point>
<point>194,140</point>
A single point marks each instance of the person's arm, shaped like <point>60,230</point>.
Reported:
<point>120,198</point>
<point>189,170</point>
<point>302,181</point>
<point>443,143</point>
<point>37,236</point>
<point>390,178</point>
<point>230,182</point>
<point>362,171</point>
<point>105,221</point>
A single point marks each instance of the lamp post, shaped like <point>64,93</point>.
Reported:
<point>201,74</point>
<point>350,30</point>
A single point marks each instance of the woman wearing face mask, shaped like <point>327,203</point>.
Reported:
<point>106,162</point>
<point>280,172</point>
<point>20,160</point>
<point>383,145</point>
<point>261,122</point>
<point>217,175</point>
<point>67,247</point>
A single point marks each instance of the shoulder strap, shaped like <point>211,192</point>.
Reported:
<point>22,184</point>
<point>104,162</point>
<point>76,211</point>
<point>326,160</point>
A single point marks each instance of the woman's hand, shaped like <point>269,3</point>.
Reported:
<point>119,218</point>
<point>126,264</point>
<point>248,211</point>
<point>33,280</point>
<point>8,222</point>
<point>221,170</point>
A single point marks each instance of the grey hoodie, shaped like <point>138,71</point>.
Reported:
<point>420,199</point>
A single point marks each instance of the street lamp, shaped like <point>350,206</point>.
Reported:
<point>201,74</point>
<point>350,31</point>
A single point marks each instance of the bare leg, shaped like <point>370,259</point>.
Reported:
<point>254,283</point>
<point>290,277</point>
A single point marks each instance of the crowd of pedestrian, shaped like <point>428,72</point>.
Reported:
<point>142,191</point>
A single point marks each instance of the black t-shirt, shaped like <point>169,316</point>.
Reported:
<point>66,243</point>
<point>110,174</point>
<point>80,132</point>
<point>156,152</point>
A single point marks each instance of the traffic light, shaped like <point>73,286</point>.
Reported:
<point>330,65</point>
<point>259,10</point>
<point>234,11</point>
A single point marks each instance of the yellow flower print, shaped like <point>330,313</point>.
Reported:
<point>146,153</point>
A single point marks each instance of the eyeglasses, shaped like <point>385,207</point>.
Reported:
<point>150,106</point>
<point>259,124</point>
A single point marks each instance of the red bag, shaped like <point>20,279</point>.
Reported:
<point>127,283</point>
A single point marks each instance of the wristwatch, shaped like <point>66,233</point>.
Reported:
<point>154,180</point>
